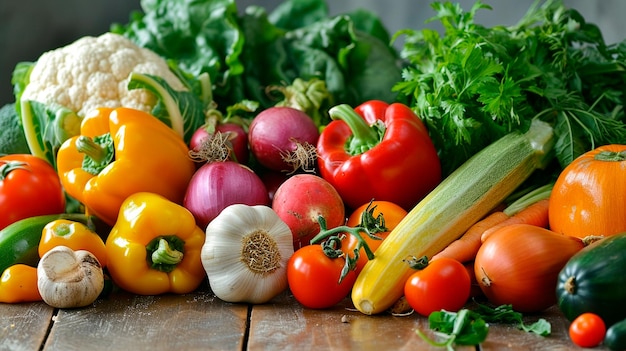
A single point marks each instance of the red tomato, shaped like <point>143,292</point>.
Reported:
<point>29,186</point>
<point>313,278</point>
<point>392,215</point>
<point>587,330</point>
<point>443,284</point>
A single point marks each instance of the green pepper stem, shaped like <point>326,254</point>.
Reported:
<point>90,148</point>
<point>364,137</point>
<point>62,229</point>
<point>164,254</point>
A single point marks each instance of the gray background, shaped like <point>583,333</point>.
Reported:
<point>30,27</point>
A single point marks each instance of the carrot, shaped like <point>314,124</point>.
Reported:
<point>464,249</point>
<point>535,214</point>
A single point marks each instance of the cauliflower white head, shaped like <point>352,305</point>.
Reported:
<point>94,72</point>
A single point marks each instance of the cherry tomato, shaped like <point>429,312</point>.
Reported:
<point>443,284</point>
<point>29,186</point>
<point>313,278</point>
<point>392,215</point>
<point>587,330</point>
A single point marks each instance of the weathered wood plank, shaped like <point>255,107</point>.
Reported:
<point>197,321</point>
<point>285,325</point>
<point>24,326</point>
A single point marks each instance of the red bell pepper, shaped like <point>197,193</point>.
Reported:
<point>378,151</point>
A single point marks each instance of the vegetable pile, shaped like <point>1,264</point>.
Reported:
<point>472,175</point>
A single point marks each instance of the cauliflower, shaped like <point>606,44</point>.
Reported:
<point>94,72</point>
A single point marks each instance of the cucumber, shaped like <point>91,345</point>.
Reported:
<point>615,338</point>
<point>19,241</point>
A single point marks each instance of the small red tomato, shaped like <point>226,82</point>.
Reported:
<point>587,330</point>
<point>29,186</point>
<point>313,278</point>
<point>443,284</point>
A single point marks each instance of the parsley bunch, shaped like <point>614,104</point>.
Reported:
<point>474,84</point>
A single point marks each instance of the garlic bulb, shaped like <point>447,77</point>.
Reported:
<point>245,254</point>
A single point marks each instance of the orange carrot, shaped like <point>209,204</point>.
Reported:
<point>464,249</point>
<point>534,214</point>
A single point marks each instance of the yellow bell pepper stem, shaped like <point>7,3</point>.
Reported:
<point>165,257</point>
<point>155,246</point>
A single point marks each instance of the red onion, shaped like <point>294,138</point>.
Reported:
<point>239,143</point>
<point>217,185</point>
<point>277,132</point>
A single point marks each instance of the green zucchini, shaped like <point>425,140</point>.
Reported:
<point>19,241</point>
<point>615,338</point>
<point>593,280</point>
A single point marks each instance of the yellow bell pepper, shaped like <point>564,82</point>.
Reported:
<point>154,247</point>
<point>75,235</point>
<point>18,283</point>
<point>119,152</point>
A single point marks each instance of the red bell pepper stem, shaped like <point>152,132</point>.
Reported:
<point>364,137</point>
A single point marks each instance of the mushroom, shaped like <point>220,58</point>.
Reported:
<point>68,278</point>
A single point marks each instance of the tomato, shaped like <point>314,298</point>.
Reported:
<point>443,284</point>
<point>313,278</point>
<point>392,215</point>
<point>587,330</point>
<point>29,186</point>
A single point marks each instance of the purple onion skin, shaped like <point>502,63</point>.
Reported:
<point>278,130</point>
<point>217,185</point>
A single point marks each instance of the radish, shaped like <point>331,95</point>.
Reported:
<point>216,185</point>
<point>301,199</point>
<point>283,139</point>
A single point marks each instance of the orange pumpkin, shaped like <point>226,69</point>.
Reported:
<point>589,196</point>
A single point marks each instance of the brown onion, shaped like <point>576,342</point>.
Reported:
<point>519,265</point>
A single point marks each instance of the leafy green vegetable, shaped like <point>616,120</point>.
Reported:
<point>456,328</point>
<point>244,54</point>
<point>506,315</point>
<point>473,84</point>
<point>471,326</point>
<point>47,126</point>
<point>183,111</point>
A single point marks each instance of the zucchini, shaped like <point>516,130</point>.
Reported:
<point>460,200</point>
<point>593,280</point>
<point>19,241</point>
<point>615,338</point>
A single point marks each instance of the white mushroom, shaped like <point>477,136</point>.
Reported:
<point>68,278</point>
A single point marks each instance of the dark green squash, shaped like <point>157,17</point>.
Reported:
<point>594,280</point>
<point>615,338</point>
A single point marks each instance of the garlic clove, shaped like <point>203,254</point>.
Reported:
<point>68,278</point>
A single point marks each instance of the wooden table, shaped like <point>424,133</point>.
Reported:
<point>201,321</point>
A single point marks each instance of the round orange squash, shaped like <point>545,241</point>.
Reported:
<point>589,196</point>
